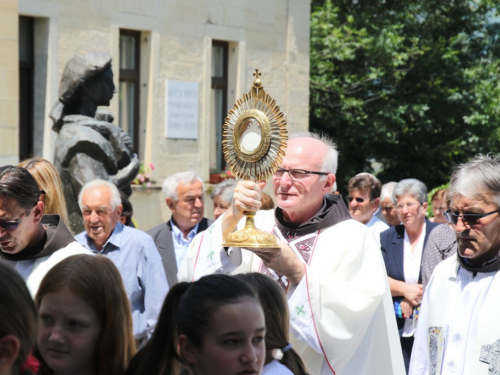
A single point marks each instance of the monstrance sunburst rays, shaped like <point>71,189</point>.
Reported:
<point>261,165</point>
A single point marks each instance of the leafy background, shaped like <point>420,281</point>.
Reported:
<point>412,85</point>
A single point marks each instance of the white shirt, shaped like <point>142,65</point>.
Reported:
<point>411,269</point>
<point>377,226</point>
<point>276,368</point>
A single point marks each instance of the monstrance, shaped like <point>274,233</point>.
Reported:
<point>254,143</point>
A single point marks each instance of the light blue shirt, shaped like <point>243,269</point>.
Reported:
<point>135,255</point>
<point>181,244</point>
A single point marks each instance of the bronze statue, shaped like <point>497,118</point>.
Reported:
<point>88,145</point>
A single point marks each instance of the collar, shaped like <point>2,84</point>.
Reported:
<point>56,237</point>
<point>492,265</point>
<point>177,233</point>
<point>373,220</point>
<point>115,239</point>
<point>332,212</point>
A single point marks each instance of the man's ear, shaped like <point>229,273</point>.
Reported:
<point>330,180</point>
<point>119,210</point>
<point>170,204</point>
<point>425,205</point>
<point>187,350</point>
<point>9,349</point>
<point>38,212</point>
<point>376,202</point>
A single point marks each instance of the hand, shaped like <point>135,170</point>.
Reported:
<point>246,197</point>
<point>282,260</point>
<point>414,293</point>
<point>406,308</point>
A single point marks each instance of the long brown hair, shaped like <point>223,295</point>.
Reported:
<point>18,315</point>
<point>275,308</point>
<point>187,310</point>
<point>48,180</point>
<point>97,281</point>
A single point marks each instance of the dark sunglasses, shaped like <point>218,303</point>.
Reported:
<point>12,224</point>
<point>471,219</point>
<point>358,199</point>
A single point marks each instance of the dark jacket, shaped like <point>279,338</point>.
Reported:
<point>162,236</point>
<point>392,245</point>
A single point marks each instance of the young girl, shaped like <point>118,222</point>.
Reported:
<point>17,324</point>
<point>281,358</point>
<point>85,325</point>
<point>213,326</point>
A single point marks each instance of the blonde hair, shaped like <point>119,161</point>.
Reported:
<point>48,180</point>
<point>97,281</point>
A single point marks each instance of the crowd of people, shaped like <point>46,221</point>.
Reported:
<point>369,285</point>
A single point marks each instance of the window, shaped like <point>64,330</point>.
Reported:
<point>26,87</point>
<point>130,84</point>
<point>219,96</point>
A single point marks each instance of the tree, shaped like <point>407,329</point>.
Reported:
<point>413,85</point>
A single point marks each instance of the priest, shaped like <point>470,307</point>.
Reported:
<point>458,330</point>
<point>329,265</point>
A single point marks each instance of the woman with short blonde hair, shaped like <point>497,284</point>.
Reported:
<point>48,180</point>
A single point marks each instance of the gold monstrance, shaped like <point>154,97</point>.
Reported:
<point>254,143</point>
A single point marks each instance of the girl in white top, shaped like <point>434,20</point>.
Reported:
<point>281,358</point>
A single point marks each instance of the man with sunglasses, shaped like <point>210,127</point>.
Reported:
<point>329,265</point>
<point>459,330</point>
<point>29,240</point>
<point>364,201</point>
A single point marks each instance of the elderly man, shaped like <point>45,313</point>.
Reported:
<point>132,251</point>
<point>184,195</point>
<point>29,240</point>
<point>339,299</point>
<point>458,331</point>
<point>364,200</point>
<point>387,206</point>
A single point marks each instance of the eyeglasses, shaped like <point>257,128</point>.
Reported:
<point>12,224</point>
<point>100,211</point>
<point>357,199</point>
<point>296,174</point>
<point>410,205</point>
<point>471,219</point>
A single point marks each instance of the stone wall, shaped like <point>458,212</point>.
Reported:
<point>176,43</point>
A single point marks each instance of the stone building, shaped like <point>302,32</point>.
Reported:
<point>178,67</point>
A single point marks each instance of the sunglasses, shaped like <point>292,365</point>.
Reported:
<point>12,224</point>
<point>471,219</point>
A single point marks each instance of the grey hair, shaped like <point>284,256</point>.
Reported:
<point>224,190</point>
<point>410,186</point>
<point>170,185</point>
<point>479,176</point>
<point>116,199</point>
<point>330,161</point>
<point>387,190</point>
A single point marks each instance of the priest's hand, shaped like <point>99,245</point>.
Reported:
<point>246,197</point>
<point>282,260</point>
<point>414,293</point>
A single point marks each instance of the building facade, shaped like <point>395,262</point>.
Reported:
<point>203,51</point>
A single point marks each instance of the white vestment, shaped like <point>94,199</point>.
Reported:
<point>459,323</point>
<point>342,316</point>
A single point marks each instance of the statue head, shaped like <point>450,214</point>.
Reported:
<point>86,79</point>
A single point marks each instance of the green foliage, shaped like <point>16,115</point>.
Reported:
<point>413,85</point>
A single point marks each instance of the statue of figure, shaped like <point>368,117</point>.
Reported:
<point>88,145</point>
